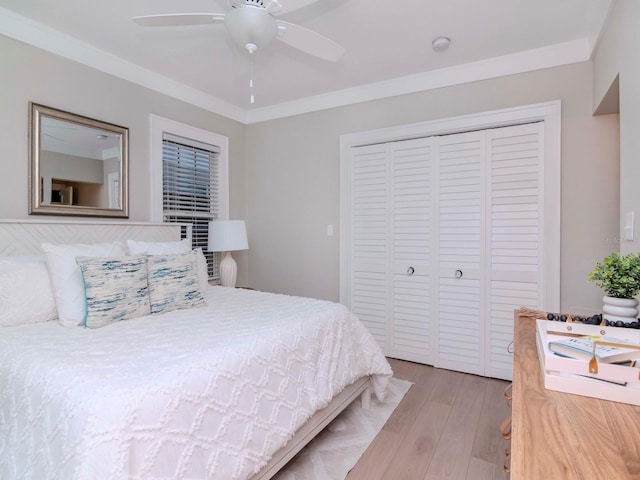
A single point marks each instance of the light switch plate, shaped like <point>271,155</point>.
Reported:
<point>629,226</point>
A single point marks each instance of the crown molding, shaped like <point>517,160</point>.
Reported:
<point>38,35</point>
<point>529,60</point>
<point>607,7</point>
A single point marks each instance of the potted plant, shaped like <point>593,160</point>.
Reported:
<point>619,276</point>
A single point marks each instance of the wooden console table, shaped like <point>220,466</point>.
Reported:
<point>558,436</point>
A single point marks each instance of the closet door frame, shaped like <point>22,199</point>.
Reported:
<point>548,112</point>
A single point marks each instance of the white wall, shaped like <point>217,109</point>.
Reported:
<point>30,74</point>
<point>111,165</point>
<point>619,54</point>
<point>293,178</point>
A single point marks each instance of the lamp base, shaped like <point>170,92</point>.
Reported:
<point>228,271</point>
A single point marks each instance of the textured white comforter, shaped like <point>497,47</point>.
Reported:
<point>207,393</point>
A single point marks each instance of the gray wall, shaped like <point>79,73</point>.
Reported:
<point>62,166</point>
<point>619,54</point>
<point>293,178</point>
<point>30,74</point>
<point>70,167</point>
<point>288,190</point>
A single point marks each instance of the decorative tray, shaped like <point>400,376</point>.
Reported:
<point>591,378</point>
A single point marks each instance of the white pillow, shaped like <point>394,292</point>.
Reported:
<point>66,278</point>
<point>172,248</point>
<point>25,292</point>
<point>158,248</point>
<point>203,270</point>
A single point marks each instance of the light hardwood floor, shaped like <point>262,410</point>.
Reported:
<point>446,427</point>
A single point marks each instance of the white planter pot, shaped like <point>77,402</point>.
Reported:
<point>623,309</point>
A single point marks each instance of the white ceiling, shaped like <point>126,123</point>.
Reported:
<point>72,138</point>
<point>388,45</point>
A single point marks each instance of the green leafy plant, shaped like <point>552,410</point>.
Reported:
<point>618,275</point>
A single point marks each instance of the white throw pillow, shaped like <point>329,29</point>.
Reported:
<point>158,248</point>
<point>172,248</point>
<point>66,278</point>
<point>26,295</point>
<point>115,288</point>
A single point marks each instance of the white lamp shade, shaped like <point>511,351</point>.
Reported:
<point>227,236</point>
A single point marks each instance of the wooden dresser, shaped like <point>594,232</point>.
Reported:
<point>558,436</point>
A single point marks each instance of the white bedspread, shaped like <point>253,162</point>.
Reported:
<point>204,393</point>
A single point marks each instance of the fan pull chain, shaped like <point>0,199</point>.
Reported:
<point>252,98</point>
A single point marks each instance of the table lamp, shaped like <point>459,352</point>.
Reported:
<point>227,236</point>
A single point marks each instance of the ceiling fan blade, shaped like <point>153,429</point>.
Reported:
<point>310,42</point>
<point>178,19</point>
<point>292,5</point>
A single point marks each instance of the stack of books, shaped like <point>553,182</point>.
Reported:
<point>582,348</point>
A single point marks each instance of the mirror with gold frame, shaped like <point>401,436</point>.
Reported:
<point>78,165</point>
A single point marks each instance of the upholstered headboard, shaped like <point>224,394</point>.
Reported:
<point>23,237</point>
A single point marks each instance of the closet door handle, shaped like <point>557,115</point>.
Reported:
<point>458,273</point>
<point>410,271</point>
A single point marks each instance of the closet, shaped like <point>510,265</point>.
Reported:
<point>445,238</point>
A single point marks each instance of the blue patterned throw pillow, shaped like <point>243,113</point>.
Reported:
<point>173,282</point>
<point>116,289</point>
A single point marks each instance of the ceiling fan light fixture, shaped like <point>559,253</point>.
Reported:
<point>251,27</point>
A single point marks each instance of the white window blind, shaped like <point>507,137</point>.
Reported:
<point>191,189</point>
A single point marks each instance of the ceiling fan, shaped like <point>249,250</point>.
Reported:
<point>252,26</point>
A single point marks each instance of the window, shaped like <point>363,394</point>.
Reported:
<point>191,184</point>
<point>189,189</point>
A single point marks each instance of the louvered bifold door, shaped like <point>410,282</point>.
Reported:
<point>460,289</point>
<point>514,234</point>
<point>411,237</point>
<point>369,249</point>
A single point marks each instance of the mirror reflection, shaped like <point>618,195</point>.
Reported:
<point>78,165</point>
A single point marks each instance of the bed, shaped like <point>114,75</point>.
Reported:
<point>231,389</point>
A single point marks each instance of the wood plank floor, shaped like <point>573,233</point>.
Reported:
<point>446,427</point>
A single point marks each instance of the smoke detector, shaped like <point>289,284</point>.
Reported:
<point>440,44</point>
